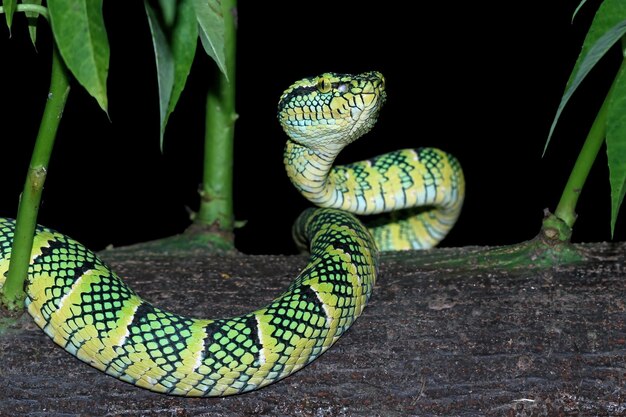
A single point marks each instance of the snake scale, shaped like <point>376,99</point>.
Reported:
<point>88,310</point>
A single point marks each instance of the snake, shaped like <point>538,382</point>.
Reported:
<point>87,309</point>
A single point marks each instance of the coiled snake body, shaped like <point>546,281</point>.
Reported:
<point>89,311</point>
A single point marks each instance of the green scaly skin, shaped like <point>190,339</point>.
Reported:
<point>88,310</point>
<point>424,188</point>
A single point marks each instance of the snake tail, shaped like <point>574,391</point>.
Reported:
<point>88,310</point>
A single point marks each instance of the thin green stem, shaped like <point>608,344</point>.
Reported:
<point>216,205</point>
<point>34,8</point>
<point>13,289</point>
<point>566,209</point>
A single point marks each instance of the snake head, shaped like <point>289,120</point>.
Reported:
<point>331,110</point>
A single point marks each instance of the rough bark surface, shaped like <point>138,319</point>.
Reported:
<point>463,341</point>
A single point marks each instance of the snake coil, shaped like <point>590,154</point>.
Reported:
<point>88,310</point>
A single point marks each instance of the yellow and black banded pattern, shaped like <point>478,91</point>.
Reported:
<point>88,310</point>
<point>424,188</point>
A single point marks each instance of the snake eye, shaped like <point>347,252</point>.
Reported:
<point>324,85</point>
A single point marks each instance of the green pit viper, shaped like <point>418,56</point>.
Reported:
<point>88,310</point>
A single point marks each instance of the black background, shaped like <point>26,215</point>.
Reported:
<point>480,80</point>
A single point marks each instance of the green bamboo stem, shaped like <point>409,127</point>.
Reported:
<point>13,291</point>
<point>216,205</point>
<point>566,209</point>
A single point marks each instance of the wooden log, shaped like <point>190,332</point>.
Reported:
<point>467,340</point>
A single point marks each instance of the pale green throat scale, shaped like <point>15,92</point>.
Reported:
<point>88,310</point>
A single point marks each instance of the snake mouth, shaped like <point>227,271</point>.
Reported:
<point>364,103</point>
<point>363,115</point>
<point>337,108</point>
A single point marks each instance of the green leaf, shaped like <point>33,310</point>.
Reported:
<point>582,3</point>
<point>609,14</point>
<point>9,9</point>
<point>211,22</point>
<point>174,55</point>
<point>616,144</point>
<point>586,62</point>
<point>78,28</point>
<point>32,21</point>
<point>168,11</point>
<point>184,42</point>
<point>165,66</point>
